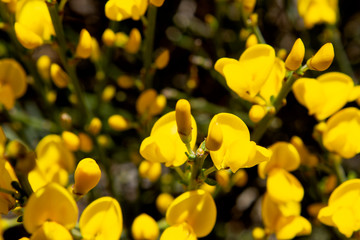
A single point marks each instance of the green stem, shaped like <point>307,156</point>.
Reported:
<point>196,167</point>
<point>149,41</point>
<point>190,151</point>
<point>209,170</point>
<point>60,36</point>
<point>278,102</point>
<point>258,34</point>
<point>340,173</point>
<point>180,173</point>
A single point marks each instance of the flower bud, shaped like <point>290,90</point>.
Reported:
<point>240,178</point>
<point>95,50</point>
<point>144,227</point>
<point>258,233</point>
<point>322,59</point>
<point>248,5</point>
<point>183,120</point>
<point>256,113</point>
<point>223,178</point>
<point>58,76</point>
<point>163,201</point>
<point>43,66</point>
<point>108,93</point>
<point>86,143</point>
<point>118,123</point>
<point>71,140</point>
<point>83,49</point>
<point>251,41</point>
<point>150,170</point>
<point>86,177</point>
<point>134,42</point>
<point>125,81</point>
<point>157,3</point>
<point>296,56</point>
<point>108,37</point>
<point>95,126</point>
<point>163,59</point>
<point>121,39</point>
<point>215,137</point>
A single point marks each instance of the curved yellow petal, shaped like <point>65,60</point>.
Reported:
<point>290,227</point>
<point>51,231</point>
<point>53,203</point>
<point>197,208</point>
<point>12,73</point>
<point>144,227</point>
<point>179,231</point>
<point>222,62</point>
<point>7,96</point>
<point>102,218</point>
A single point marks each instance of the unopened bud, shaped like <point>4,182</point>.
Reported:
<point>86,143</point>
<point>118,123</point>
<point>108,37</point>
<point>163,201</point>
<point>144,227</point>
<point>71,140</point>
<point>163,59</point>
<point>134,42</point>
<point>58,76</point>
<point>86,177</point>
<point>183,120</point>
<point>296,56</point>
<point>83,49</point>
<point>256,113</point>
<point>322,59</point>
<point>95,126</point>
<point>43,66</point>
<point>251,41</point>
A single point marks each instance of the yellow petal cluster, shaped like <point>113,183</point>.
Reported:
<point>118,10</point>
<point>144,227</point>
<point>33,24</point>
<point>322,58</point>
<point>151,103</point>
<point>318,11</point>
<point>236,151</point>
<point>196,208</point>
<point>164,144</point>
<point>343,210</point>
<point>102,219</point>
<point>342,133</point>
<point>13,83</point>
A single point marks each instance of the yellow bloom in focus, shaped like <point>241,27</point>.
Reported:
<point>164,144</point>
<point>51,231</point>
<point>144,227</point>
<point>236,151</point>
<point>284,155</point>
<point>325,95</point>
<point>296,56</point>
<point>343,210</point>
<point>196,208</point>
<point>284,219</point>
<point>87,176</point>
<point>179,231</point>
<point>318,11</point>
<point>33,24</point>
<point>102,219</point>
<point>157,3</point>
<point>245,77</point>
<point>322,58</point>
<point>342,134</point>
<point>151,103</point>
<point>134,42</point>
<point>83,49</point>
<point>60,78</point>
<point>13,83</point>
<point>163,201</point>
<point>118,10</point>
<point>54,162</point>
<point>50,203</point>
<point>150,170</point>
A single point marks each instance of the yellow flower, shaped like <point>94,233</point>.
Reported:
<point>60,78</point>
<point>236,151</point>
<point>248,5</point>
<point>307,158</point>
<point>150,170</point>
<point>197,208</point>
<point>342,133</point>
<point>214,138</point>
<point>118,122</point>
<point>163,201</point>
<point>83,49</point>
<point>151,103</point>
<point>108,37</point>
<point>181,231</point>
<point>118,10</point>
<point>102,219</point>
<point>157,3</point>
<point>144,227</point>
<point>108,93</point>
<point>296,56</point>
<point>86,177</point>
<point>33,24</point>
<point>284,155</point>
<point>223,178</point>
<point>258,233</point>
<point>95,126</point>
<point>240,178</point>
<point>86,143</point>
<point>322,58</point>
<point>7,202</point>
<point>163,59</point>
<point>257,112</point>
<point>125,81</point>
<point>284,219</point>
<point>50,203</point>
<point>245,77</point>
<point>54,162</point>
<point>317,11</point>
<point>12,82</point>
<point>251,41</point>
<point>51,231</point>
<point>183,120</point>
<point>43,66</point>
<point>343,210</point>
<point>325,95</point>
<point>133,44</point>
<point>71,140</point>
<point>164,144</point>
